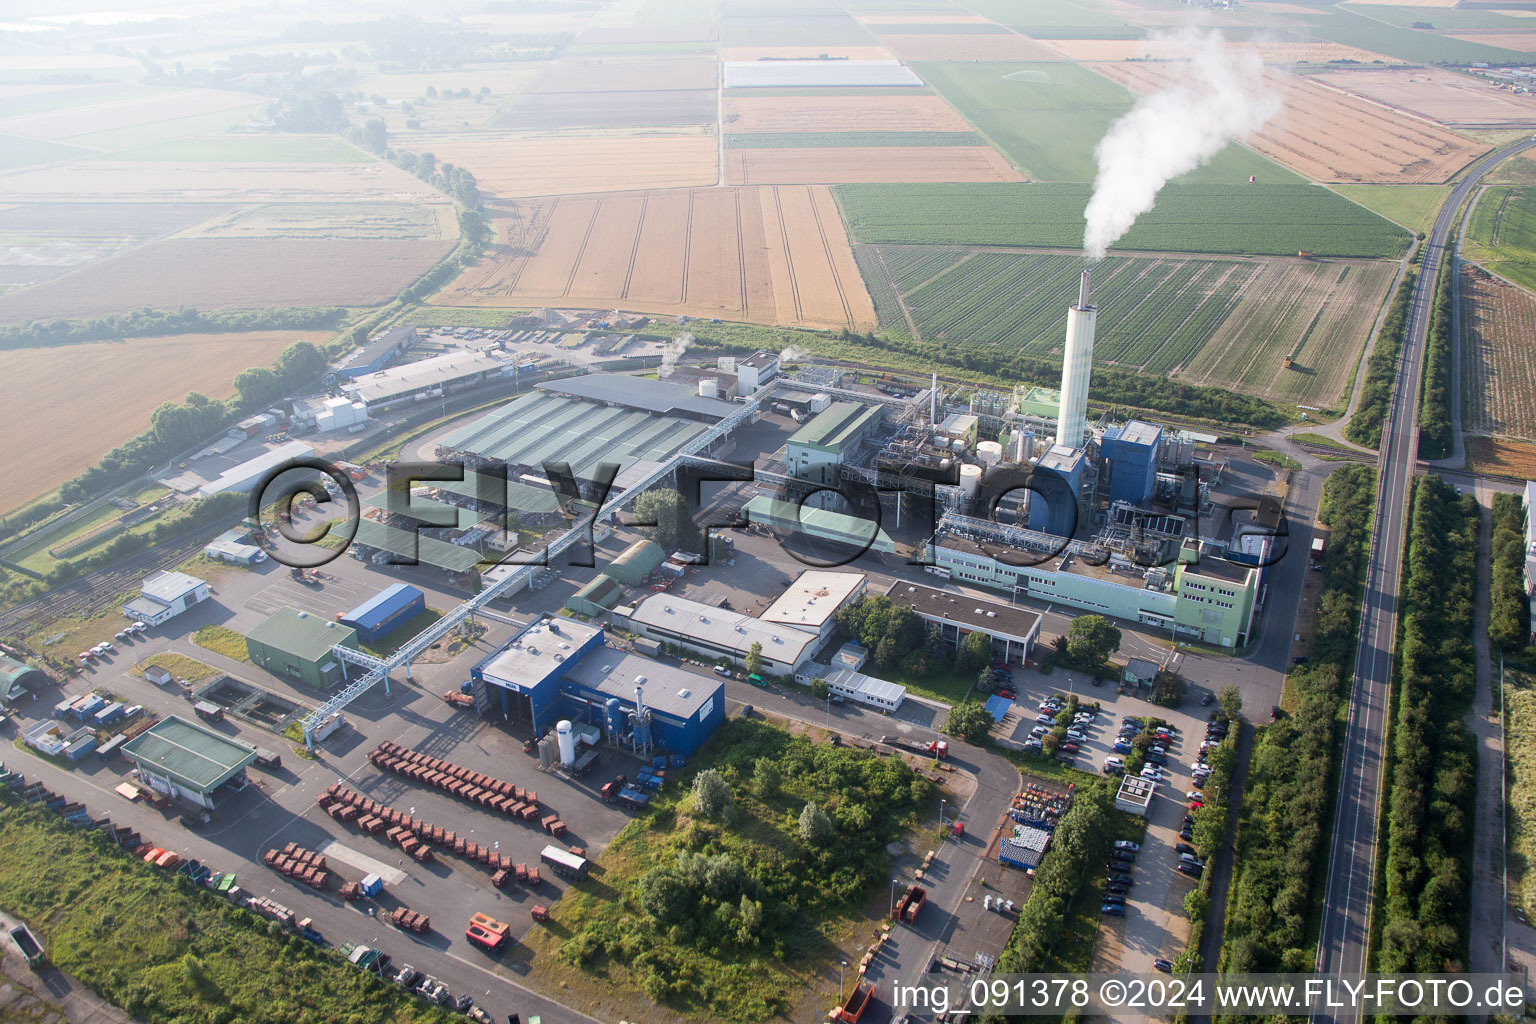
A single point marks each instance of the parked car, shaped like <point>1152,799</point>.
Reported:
<point>1189,858</point>
<point>1195,805</point>
<point>1076,734</point>
<point>1040,730</point>
<point>1113,909</point>
<point>1166,966</point>
<point>1191,870</point>
<point>1187,835</point>
<point>1123,747</point>
<point>1118,884</point>
<point>1184,848</point>
<point>1115,761</point>
<point>1195,794</point>
<point>1206,698</point>
<point>1032,744</point>
<point>1156,759</point>
<point>721,670</point>
<point>1127,855</point>
<point>1189,820</point>
<point>1045,719</point>
<point>1126,844</point>
<point>1114,899</point>
<point>1068,747</point>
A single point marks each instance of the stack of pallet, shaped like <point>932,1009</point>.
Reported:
<point>410,920</point>
<point>297,863</point>
<point>352,808</point>
<point>476,787</point>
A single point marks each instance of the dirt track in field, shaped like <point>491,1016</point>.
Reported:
<point>765,255</point>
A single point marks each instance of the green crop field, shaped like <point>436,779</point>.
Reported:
<point>1276,220</point>
<point>1048,116</point>
<point>16,151</point>
<point>1225,322</point>
<point>1502,235</point>
<point>1412,206</point>
<point>840,140</point>
<point>1444,19</point>
<point>1028,15</point>
<point>250,149</point>
<point>1408,44</point>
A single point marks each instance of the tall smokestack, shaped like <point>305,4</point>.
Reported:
<point>933,400</point>
<point>1077,368</point>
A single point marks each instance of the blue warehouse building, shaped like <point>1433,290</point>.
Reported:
<point>557,668</point>
<point>1132,450</point>
<point>378,353</point>
<point>384,612</point>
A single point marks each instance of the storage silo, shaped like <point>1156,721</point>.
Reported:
<point>615,712</point>
<point>970,479</point>
<point>989,453</point>
<point>709,387</point>
<point>566,735</point>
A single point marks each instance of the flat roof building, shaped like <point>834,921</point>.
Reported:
<point>184,761</point>
<point>379,352</point>
<point>717,633</point>
<point>451,371</point>
<point>811,601</point>
<point>297,645</point>
<point>247,474</point>
<point>815,451</point>
<point>867,690</point>
<point>685,709</point>
<point>1134,795</point>
<point>520,681</point>
<point>1013,630</point>
<point>385,611</point>
<point>165,595</point>
<point>642,393</point>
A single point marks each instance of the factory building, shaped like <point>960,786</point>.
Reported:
<point>234,546</point>
<point>636,562</point>
<point>297,645</point>
<point>379,352</point>
<point>1013,630</point>
<point>756,371</point>
<point>861,535</point>
<point>816,452</point>
<point>384,612</point>
<point>1058,485</point>
<point>814,598</point>
<point>247,474</point>
<point>427,378</point>
<point>559,670</point>
<point>707,383</point>
<point>164,595</point>
<point>184,761</point>
<point>716,633</point>
<point>1132,450</point>
<point>596,598</point>
<point>660,397</point>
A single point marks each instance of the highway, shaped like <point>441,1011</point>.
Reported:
<point>1344,941</point>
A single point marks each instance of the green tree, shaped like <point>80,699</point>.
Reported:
<point>815,828</point>
<point>1230,700</point>
<point>969,721</point>
<point>975,652</point>
<point>984,681</point>
<point>672,527</point>
<point>1091,640</point>
<point>375,136</point>
<point>820,688</point>
<point>301,363</point>
<point>755,658</point>
<point>258,386</point>
<point>766,779</point>
<point>711,794</point>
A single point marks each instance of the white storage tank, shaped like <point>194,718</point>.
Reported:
<point>970,479</point>
<point>989,453</point>
<point>709,388</point>
<point>567,739</point>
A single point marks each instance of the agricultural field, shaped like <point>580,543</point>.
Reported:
<point>1331,136</point>
<point>16,151</point>
<point>802,28</point>
<point>837,140</point>
<point>138,106</point>
<point>767,255</point>
<point>1498,456</point>
<point>1273,220</point>
<point>1226,322</point>
<point>125,381</point>
<point>1048,118</point>
<point>819,52</point>
<point>618,74</point>
<point>231,273</point>
<point>513,166</point>
<point>321,221</point>
<point>111,181</point>
<point>965,46</point>
<point>1499,357</point>
<point>914,113</point>
<point>1502,233</point>
<point>618,110</point>
<point>413,85</point>
<point>824,165</point>
<point>1440,94</point>
<point>264,148</point>
<point>1271,52</point>
<point>818,74</point>
<point>1412,206</point>
<point>42,241</point>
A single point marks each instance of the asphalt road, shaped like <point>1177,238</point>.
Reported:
<point>1345,937</point>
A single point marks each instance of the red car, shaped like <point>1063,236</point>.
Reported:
<point>1068,747</point>
<point>1195,805</point>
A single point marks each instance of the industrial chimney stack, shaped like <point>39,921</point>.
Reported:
<point>1077,368</point>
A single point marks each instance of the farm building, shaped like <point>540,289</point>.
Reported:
<point>427,378</point>
<point>184,761</point>
<point>819,523</point>
<point>297,645</point>
<point>817,451</point>
<point>596,598</point>
<point>251,472</point>
<point>17,678</point>
<point>814,598</point>
<point>716,633</point>
<point>636,562</point>
<point>1013,630</point>
<point>165,595</point>
<point>384,612</point>
<point>379,352</point>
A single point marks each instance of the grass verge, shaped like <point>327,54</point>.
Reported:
<point>222,640</point>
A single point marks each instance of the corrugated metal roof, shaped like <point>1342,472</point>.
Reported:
<point>642,393</point>
<point>302,634</point>
<point>724,629</point>
<point>836,425</point>
<point>377,609</point>
<point>497,489</point>
<point>819,522</point>
<point>417,506</point>
<point>407,544</point>
<point>448,368</point>
<point>646,552</point>
<point>189,754</point>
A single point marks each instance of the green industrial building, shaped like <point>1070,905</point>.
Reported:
<point>182,760</point>
<point>17,678</point>
<point>596,598</point>
<point>822,524</point>
<point>815,452</point>
<point>636,562</point>
<point>297,645</point>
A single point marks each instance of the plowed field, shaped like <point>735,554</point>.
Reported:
<point>842,114</point>
<point>1499,357</point>
<point>1438,94</point>
<point>866,164</point>
<point>768,255</point>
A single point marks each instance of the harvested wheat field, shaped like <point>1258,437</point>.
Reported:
<point>1314,52</point>
<point>1327,135</point>
<point>1317,312</point>
<point>1499,357</point>
<point>517,166</point>
<point>104,181</point>
<point>1460,101</point>
<point>1497,456</point>
<point>805,53</point>
<point>767,255</point>
<point>626,74</point>
<point>842,114</point>
<point>1523,41</point>
<point>231,273</point>
<point>866,164</point>
<point>134,108</point>
<point>968,46</point>
<point>125,381</point>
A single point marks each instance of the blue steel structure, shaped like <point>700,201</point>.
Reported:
<point>1058,480</point>
<point>385,611</point>
<point>1132,450</point>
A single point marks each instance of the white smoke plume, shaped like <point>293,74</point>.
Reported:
<point>793,355</point>
<point>1219,95</point>
<point>671,352</point>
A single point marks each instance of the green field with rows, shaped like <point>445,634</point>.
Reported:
<point>840,140</point>
<point>1047,117</point>
<point>1502,235</point>
<point>1274,220</point>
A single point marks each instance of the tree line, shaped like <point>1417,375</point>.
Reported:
<point>1436,438</point>
<point>1283,831</point>
<point>147,322</point>
<point>1509,624</point>
<point>1381,369</point>
<point>1433,779</point>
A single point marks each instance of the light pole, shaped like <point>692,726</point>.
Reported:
<point>941,812</point>
<point>894,883</point>
<point>842,965</point>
